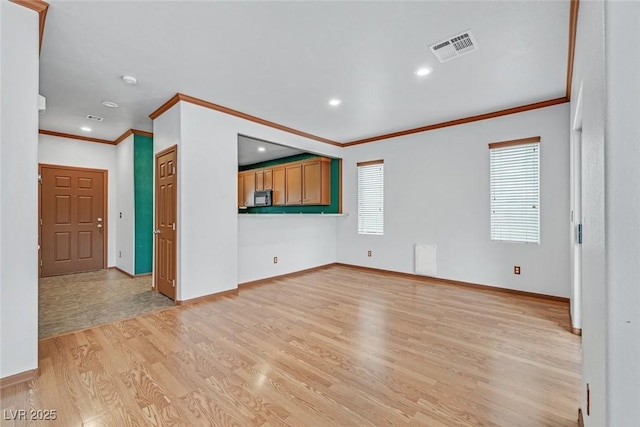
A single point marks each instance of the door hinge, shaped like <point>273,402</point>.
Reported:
<point>579,233</point>
<point>173,282</point>
<point>40,178</point>
<point>40,221</point>
<point>40,263</point>
<point>174,170</point>
<point>174,226</point>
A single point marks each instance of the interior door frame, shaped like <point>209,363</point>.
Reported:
<point>576,172</point>
<point>154,267</point>
<point>105,195</point>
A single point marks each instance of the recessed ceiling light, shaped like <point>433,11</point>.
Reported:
<point>109,104</point>
<point>130,80</point>
<point>335,102</point>
<point>86,129</point>
<point>262,149</point>
<point>424,71</point>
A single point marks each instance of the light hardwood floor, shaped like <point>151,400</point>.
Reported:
<point>337,346</point>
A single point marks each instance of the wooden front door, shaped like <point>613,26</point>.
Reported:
<point>73,219</point>
<point>166,209</point>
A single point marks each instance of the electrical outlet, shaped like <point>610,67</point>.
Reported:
<point>516,269</point>
<point>368,253</point>
<point>275,259</point>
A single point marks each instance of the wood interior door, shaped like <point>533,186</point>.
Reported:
<point>73,220</point>
<point>166,222</point>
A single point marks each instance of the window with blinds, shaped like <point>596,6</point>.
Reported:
<point>371,197</point>
<point>515,190</point>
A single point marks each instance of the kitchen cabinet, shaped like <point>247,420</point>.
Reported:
<point>268,179</point>
<point>278,186</point>
<point>259,180</point>
<point>246,188</point>
<point>305,182</point>
<point>264,179</point>
<point>293,184</point>
<point>315,182</point>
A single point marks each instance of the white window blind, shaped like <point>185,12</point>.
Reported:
<point>515,190</point>
<point>371,197</point>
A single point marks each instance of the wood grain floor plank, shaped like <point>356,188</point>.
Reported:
<point>336,346</point>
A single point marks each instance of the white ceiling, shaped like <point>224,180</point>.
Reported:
<point>248,153</point>
<point>282,61</point>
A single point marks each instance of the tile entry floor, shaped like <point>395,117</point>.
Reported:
<point>77,301</point>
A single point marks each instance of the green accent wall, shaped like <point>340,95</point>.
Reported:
<point>334,207</point>
<point>143,201</point>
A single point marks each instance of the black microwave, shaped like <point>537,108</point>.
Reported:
<point>262,198</point>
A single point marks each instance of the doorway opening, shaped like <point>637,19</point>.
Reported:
<point>76,289</point>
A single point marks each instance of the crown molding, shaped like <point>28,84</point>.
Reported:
<point>492,115</point>
<point>210,105</point>
<point>164,107</point>
<point>116,141</point>
<point>122,137</point>
<point>39,6</point>
<point>78,137</point>
<point>573,29</point>
<point>141,132</point>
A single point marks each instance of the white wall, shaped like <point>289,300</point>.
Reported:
<point>207,178</point>
<point>125,208</point>
<point>437,192</point>
<point>19,73</point>
<point>622,212</point>
<point>299,242</point>
<point>590,72</point>
<point>73,152</point>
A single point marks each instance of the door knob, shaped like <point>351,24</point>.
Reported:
<point>156,231</point>
<point>99,225</point>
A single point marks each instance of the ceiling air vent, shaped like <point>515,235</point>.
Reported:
<point>455,46</point>
<point>94,118</point>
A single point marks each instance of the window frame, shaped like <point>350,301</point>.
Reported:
<point>376,227</point>
<point>514,222</point>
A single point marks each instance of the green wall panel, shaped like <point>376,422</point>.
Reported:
<point>143,196</point>
<point>334,207</point>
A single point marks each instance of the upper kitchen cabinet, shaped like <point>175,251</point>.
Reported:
<point>246,188</point>
<point>316,177</point>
